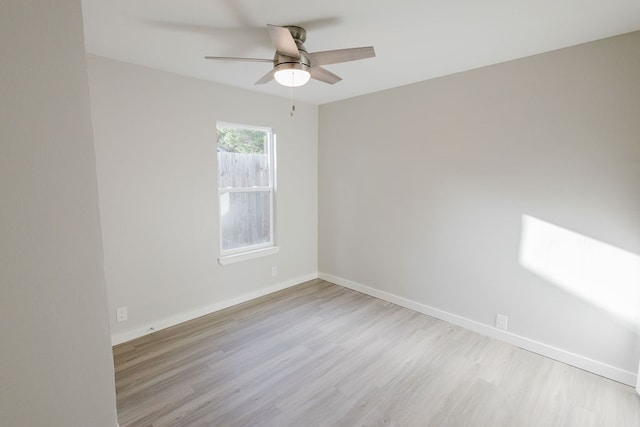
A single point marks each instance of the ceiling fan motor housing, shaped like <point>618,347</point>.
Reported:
<point>284,62</point>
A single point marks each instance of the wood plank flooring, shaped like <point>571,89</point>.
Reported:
<point>318,354</point>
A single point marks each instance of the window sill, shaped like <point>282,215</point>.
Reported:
<point>244,256</point>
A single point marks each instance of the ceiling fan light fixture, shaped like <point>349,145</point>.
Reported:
<point>292,63</point>
<point>292,74</point>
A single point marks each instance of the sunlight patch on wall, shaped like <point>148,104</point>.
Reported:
<point>604,275</point>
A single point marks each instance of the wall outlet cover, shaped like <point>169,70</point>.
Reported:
<point>121,314</point>
<point>501,321</point>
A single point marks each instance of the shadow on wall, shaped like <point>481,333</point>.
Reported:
<point>604,275</point>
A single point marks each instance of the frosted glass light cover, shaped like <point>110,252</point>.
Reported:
<point>292,77</point>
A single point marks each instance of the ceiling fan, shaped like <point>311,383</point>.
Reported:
<point>293,66</point>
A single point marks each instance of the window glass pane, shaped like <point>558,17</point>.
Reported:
<point>242,157</point>
<point>246,219</point>
<point>243,170</point>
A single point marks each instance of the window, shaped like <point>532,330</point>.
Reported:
<point>246,191</point>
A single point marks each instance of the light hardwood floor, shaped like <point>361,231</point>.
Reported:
<point>318,354</point>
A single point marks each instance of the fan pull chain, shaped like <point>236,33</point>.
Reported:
<point>293,107</point>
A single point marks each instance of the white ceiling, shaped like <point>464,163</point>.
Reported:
<point>414,40</point>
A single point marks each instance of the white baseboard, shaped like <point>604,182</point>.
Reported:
<point>582,362</point>
<point>121,337</point>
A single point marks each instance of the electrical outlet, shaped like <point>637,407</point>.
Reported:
<point>121,314</point>
<point>501,321</point>
<point>274,271</point>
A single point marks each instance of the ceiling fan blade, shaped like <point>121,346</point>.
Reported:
<point>265,79</point>
<point>324,75</point>
<point>342,55</point>
<point>243,37</point>
<point>319,23</point>
<point>231,58</point>
<point>240,13</point>
<point>283,41</point>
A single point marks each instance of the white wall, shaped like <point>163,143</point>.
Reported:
<point>56,367</point>
<point>423,188</point>
<point>155,136</point>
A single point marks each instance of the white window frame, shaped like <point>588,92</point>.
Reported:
<point>263,249</point>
